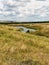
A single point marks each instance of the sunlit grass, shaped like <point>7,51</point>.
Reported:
<point>18,48</point>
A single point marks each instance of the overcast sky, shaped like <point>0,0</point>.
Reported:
<point>24,10</point>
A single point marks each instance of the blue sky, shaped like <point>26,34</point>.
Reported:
<point>24,10</point>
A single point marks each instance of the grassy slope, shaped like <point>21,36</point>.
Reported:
<point>42,28</point>
<point>17,48</point>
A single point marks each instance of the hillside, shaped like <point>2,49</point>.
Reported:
<point>18,48</point>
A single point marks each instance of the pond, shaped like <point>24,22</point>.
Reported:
<point>25,29</point>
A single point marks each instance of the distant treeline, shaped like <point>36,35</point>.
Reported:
<point>12,22</point>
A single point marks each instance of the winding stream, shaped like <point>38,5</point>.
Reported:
<point>25,29</point>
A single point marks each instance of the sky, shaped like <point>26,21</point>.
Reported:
<point>24,10</point>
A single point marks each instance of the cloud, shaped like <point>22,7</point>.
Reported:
<point>40,0</point>
<point>43,11</point>
<point>24,9</point>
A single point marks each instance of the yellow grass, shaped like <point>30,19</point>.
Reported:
<point>18,48</point>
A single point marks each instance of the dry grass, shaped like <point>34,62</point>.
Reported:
<point>17,48</point>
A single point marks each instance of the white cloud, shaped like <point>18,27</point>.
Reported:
<point>24,8</point>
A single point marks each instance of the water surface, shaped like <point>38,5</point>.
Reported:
<point>25,29</point>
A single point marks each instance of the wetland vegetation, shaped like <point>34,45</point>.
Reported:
<point>19,48</point>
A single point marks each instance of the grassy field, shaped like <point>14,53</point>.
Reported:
<point>18,48</point>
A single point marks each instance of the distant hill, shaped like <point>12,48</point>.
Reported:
<point>17,22</point>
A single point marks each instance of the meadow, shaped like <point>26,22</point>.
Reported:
<point>19,48</point>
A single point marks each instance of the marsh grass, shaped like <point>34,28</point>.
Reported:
<point>18,48</point>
